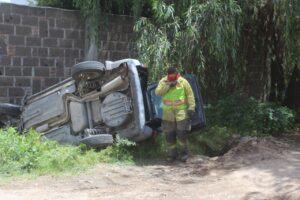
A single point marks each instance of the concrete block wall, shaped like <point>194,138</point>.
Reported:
<point>39,45</point>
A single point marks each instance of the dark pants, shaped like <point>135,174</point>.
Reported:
<point>176,137</point>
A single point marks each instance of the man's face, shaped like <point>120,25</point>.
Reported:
<point>172,77</point>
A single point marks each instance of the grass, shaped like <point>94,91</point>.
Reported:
<point>28,155</point>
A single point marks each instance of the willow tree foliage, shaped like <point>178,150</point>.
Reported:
<point>220,39</point>
<point>191,34</point>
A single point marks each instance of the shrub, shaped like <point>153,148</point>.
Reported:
<point>119,152</point>
<point>273,119</point>
<point>28,154</point>
<point>249,116</point>
<point>233,111</point>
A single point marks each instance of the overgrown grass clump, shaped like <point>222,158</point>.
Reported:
<point>28,154</point>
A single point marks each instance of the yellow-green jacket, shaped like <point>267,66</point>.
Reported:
<point>176,100</point>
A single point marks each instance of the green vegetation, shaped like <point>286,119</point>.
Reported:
<point>249,116</point>
<point>120,152</point>
<point>189,34</point>
<point>220,41</point>
<point>28,154</point>
<point>235,115</point>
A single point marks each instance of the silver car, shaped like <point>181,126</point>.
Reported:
<point>98,103</point>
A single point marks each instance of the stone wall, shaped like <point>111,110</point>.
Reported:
<point>39,45</point>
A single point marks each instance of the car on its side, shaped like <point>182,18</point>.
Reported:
<point>98,103</point>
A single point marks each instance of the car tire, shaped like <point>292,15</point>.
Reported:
<point>87,70</point>
<point>10,109</point>
<point>9,114</point>
<point>98,141</point>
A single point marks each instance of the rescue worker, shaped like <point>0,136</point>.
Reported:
<point>178,108</point>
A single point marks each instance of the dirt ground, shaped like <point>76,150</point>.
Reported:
<point>255,169</point>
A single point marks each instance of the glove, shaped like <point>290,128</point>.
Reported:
<point>190,113</point>
<point>172,83</point>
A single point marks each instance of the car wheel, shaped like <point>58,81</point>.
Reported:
<point>87,70</point>
<point>9,114</point>
<point>98,141</point>
<point>10,109</point>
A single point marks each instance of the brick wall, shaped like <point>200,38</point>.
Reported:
<point>38,46</point>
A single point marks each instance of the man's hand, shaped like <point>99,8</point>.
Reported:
<point>190,113</point>
<point>172,83</point>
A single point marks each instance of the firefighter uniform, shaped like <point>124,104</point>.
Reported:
<point>177,102</point>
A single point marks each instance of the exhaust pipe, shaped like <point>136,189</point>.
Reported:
<point>118,83</point>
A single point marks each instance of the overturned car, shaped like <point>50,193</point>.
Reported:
<point>98,103</point>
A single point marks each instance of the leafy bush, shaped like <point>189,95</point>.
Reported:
<point>120,151</point>
<point>21,154</point>
<point>273,119</point>
<point>233,111</point>
<point>249,116</point>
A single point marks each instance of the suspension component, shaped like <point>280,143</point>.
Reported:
<point>86,86</point>
<point>92,131</point>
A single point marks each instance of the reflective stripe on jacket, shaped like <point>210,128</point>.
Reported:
<point>176,100</point>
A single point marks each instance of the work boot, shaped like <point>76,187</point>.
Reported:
<point>183,145</point>
<point>184,157</point>
<point>172,155</point>
<point>184,154</point>
<point>170,159</point>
